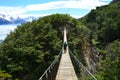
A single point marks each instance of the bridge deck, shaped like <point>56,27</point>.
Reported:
<point>66,70</point>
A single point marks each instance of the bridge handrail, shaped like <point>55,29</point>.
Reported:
<point>48,69</point>
<point>82,65</point>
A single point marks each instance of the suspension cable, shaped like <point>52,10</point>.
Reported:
<point>52,64</point>
<point>82,65</point>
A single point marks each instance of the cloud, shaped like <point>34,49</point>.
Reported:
<point>106,0</point>
<point>5,29</point>
<point>12,10</point>
<point>76,4</point>
<point>79,4</point>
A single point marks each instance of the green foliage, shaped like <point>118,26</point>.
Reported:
<point>31,47</point>
<point>109,68</point>
<point>4,75</point>
<point>114,1</point>
<point>79,40</point>
<point>104,22</point>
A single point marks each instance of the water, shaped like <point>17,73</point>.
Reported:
<point>6,29</point>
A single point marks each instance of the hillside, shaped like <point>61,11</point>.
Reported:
<point>104,23</point>
<point>114,1</point>
<point>31,48</point>
<point>95,39</point>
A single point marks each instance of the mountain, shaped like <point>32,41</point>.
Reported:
<point>10,19</point>
<point>104,23</point>
<point>114,1</point>
<point>4,21</point>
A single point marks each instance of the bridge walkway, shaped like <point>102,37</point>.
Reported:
<point>66,70</point>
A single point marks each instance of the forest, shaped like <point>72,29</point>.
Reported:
<point>104,24</point>
<point>31,47</point>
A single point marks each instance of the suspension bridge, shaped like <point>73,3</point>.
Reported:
<point>66,66</point>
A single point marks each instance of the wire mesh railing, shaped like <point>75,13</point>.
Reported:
<point>81,71</point>
<point>51,71</point>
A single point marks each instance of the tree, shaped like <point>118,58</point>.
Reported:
<point>32,46</point>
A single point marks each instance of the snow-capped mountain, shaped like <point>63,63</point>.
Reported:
<point>10,19</point>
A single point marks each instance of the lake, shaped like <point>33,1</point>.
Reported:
<point>6,29</point>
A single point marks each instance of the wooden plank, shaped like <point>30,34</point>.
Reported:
<point>66,70</point>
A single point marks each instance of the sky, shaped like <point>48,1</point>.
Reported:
<point>76,8</point>
<point>40,8</point>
